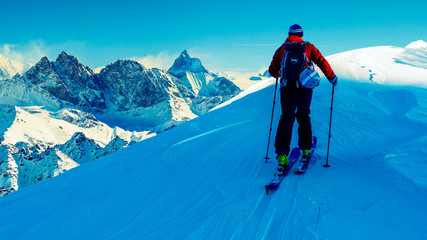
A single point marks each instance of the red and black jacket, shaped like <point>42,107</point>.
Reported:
<point>312,53</point>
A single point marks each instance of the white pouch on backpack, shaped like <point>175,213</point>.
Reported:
<point>309,78</point>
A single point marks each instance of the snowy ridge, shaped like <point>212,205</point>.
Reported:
<point>34,125</point>
<point>383,65</point>
<point>37,144</point>
<point>9,68</point>
<point>417,44</point>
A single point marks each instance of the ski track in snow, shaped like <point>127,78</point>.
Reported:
<point>205,179</point>
<point>207,133</point>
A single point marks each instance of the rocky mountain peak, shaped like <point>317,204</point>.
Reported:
<point>68,80</point>
<point>65,56</point>
<point>130,85</point>
<point>65,60</point>
<point>184,54</point>
<point>42,72</point>
<point>43,63</point>
<point>185,63</point>
<point>123,66</point>
<point>76,75</point>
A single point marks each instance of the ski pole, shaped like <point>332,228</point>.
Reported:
<point>330,123</point>
<point>271,123</point>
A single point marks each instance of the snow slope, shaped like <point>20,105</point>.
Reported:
<point>384,64</point>
<point>36,144</point>
<point>34,125</point>
<point>205,178</point>
<point>9,68</point>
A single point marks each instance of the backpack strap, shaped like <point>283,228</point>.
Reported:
<point>283,80</point>
<point>309,64</point>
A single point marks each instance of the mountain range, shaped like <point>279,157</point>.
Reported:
<point>60,114</point>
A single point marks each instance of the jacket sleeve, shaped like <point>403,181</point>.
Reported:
<point>321,62</point>
<point>275,65</point>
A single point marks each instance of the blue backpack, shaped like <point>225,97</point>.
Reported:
<point>294,62</point>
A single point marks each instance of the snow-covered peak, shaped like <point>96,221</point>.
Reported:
<point>127,65</point>
<point>9,68</point>
<point>384,65</point>
<point>73,83</point>
<point>43,61</point>
<point>76,75</point>
<point>417,44</point>
<point>184,63</point>
<point>71,65</point>
<point>132,86</point>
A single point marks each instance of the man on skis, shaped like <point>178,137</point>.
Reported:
<point>295,98</point>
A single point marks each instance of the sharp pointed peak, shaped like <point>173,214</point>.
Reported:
<point>184,63</point>
<point>44,59</point>
<point>65,55</point>
<point>185,54</point>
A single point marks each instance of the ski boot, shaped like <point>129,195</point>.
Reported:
<point>306,155</point>
<point>283,161</point>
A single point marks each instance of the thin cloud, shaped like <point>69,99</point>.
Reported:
<point>32,51</point>
<point>28,53</point>
<point>163,60</point>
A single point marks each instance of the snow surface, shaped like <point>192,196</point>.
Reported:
<point>35,125</point>
<point>417,44</point>
<point>205,178</point>
<point>383,65</point>
<point>9,68</point>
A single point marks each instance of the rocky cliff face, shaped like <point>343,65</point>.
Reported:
<point>129,85</point>
<point>69,81</point>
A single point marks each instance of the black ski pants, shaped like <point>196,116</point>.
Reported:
<point>295,103</point>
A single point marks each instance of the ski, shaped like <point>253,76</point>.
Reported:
<point>278,177</point>
<point>303,163</point>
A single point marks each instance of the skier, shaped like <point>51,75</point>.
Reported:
<point>296,99</point>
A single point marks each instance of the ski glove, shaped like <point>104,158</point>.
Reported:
<point>334,80</point>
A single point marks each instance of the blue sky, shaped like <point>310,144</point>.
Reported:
<point>234,36</point>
